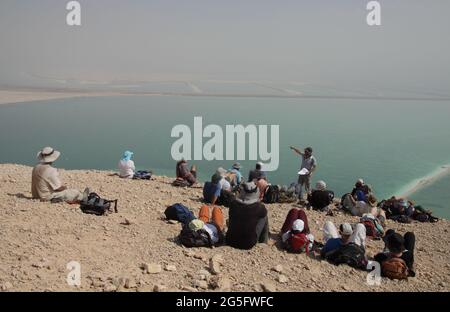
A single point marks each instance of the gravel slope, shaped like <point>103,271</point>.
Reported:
<point>115,252</point>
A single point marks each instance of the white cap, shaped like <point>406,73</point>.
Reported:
<point>298,225</point>
<point>346,229</point>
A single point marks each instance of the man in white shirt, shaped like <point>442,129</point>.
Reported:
<point>46,184</point>
<point>309,165</point>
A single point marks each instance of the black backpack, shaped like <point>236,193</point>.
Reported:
<point>142,175</point>
<point>272,194</point>
<point>190,238</point>
<point>179,213</point>
<point>96,205</point>
<point>350,254</point>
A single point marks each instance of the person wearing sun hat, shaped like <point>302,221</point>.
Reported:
<point>45,182</point>
<point>398,246</point>
<point>248,221</point>
<point>236,170</point>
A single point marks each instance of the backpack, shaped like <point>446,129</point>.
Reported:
<point>180,182</point>
<point>179,213</point>
<point>272,194</point>
<point>96,205</point>
<point>297,243</point>
<point>395,268</point>
<point>190,238</point>
<point>142,175</point>
<point>350,254</point>
<point>373,227</point>
<point>231,177</point>
<point>346,205</point>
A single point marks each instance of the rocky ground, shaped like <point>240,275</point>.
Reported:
<point>136,250</point>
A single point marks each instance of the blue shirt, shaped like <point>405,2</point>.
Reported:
<point>361,196</point>
<point>210,190</point>
<point>332,244</point>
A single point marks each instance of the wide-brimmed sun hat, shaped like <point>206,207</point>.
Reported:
<point>237,166</point>
<point>249,193</point>
<point>48,155</point>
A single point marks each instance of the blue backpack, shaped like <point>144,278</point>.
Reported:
<point>179,213</point>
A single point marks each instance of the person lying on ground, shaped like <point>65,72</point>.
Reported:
<point>397,246</point>
<point>189,177</point>
<point>257,173</point>
<point>248,220</point>
<point>333,239</point>
<point>403,210</point>
<point>308,163</point>
<point>46,184</point>
<point>320,198</point>
<point>206,231</point>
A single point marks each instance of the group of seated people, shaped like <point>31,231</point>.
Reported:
<point>248,222</point>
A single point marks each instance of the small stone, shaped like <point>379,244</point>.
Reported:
<point>221,283</point>
<point>345,287</point>
<point>203,275</point>
<point>172,222</point>
<point>200,284</point>
<point>118,282</point>
<point>110,288</point>
<point>214,264</point>
<point>278,268</point>
<point>282,279</point>
<point>190,289</point>
<point>7,286</point>
<point>130,283</point>
<point>188,253</point>
<point>442,284</point>
<point>151,268</point>
<point>170,268</point>
<point>268,287</point>
<point>159,288</point>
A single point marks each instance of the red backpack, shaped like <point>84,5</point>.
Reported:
<point>297,243</point>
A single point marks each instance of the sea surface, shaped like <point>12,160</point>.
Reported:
<point>389,143</point>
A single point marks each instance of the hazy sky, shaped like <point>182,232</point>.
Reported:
<point>312,41</point>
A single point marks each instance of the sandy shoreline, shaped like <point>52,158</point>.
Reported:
<point>425,181</point>
<point>11,96</point>
<point>39,239</point>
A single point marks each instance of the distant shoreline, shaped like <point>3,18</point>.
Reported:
<point>24,96</point>
<point>11,95</point>
<point>425,181</point>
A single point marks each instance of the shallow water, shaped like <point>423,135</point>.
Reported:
<point>388,143</point>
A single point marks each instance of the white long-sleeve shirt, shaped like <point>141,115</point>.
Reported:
<point>126,168</point>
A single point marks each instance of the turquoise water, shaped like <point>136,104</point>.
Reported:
<point>388,143</point>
